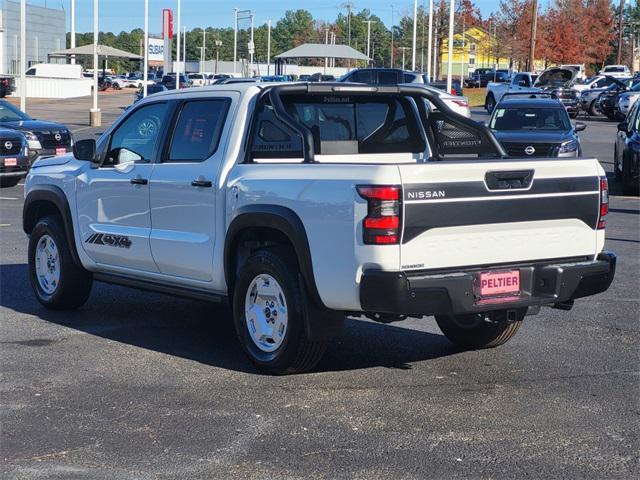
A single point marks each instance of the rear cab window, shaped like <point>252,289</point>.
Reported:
<point>341,126</point>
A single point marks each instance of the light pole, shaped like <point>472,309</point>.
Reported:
<point>252,46</point>
<point>184,48</point>
<point>269,47</point>
<point>450,47</point>
<point>404,49</point>
<point>218,45</point>
<point>95,115</point>
<point>430,43</point>
<point>235,40</point>
<point>23,54</point>
<point>368,41</point>
<point>204,49</point>
<point>392,28</point>
<point>415,34</point>
<point>145,75</point>
<point>73,29</point>
<point>178,49</point>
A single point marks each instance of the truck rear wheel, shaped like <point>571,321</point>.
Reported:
<point>268,311</point>
<point>57,281</point>
<point>476,331</point>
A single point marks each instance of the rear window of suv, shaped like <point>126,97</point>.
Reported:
<point>340,126</point>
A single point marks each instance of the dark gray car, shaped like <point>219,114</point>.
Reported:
<point>536,127</point>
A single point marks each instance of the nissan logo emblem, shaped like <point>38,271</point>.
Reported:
<point>529,150</point>
<point>58,137</point>
<point>8,145</point>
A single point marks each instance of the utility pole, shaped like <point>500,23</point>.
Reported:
<point>184,48</point>
<point>434,70</point>
<point>326,42</point>
<point>235,40</point>
<point>252,47</point>
<point>430,43</point>
<point>23,55</point>
<point>145,75</point>
<point>73,29</point>
<point>403,50</point>
<point>620,25</point>
<point>349,6</point>
<point>392,29</point>
<point>532,44</point>
<point>415,34</point>
<point>450,47</point>
<point>204,48</point>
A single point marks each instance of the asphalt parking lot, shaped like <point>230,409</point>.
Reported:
<point>136,385</point>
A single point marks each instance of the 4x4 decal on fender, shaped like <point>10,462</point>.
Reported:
<point>109,240</point>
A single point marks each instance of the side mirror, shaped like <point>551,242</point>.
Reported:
<point>623,127</point>
<point>85,150</point>
<point>579,127</point>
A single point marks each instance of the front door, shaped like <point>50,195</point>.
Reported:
<point>184,191</point>
<point>113,200</point>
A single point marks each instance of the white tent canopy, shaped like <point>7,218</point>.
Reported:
<point>321,50</point>
<point>103,51</point>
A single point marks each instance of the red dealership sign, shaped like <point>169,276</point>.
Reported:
<point>167,23</point>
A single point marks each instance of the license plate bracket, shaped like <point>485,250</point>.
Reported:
<point>498,283</point>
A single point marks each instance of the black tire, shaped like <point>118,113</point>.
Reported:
<point>616,165</point>
<point>593,111</point>
<point>7,182</point>
<point>116,86</point>
<point>473,331</point>
<point>630,185</point>
<point>296,354</point>
<point>490,103</point>
<point>74,286</point>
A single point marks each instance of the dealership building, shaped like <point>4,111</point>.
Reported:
<point>46,33</point>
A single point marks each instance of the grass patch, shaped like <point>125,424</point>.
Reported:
<point>475,95</point>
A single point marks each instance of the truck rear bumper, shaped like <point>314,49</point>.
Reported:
<point>430,293</point>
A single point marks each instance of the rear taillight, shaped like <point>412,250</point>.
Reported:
<point>382,223</point>
<point>604,203</point>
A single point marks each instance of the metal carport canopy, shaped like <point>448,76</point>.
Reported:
<point>103,51</point>
<point>321,50</point>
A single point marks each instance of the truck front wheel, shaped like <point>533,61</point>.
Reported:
<point>57,281</point>
<point>268,311</point>
<point>476,331</point>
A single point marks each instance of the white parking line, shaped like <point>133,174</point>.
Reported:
<point>5,224</point>
<point>8,198</point>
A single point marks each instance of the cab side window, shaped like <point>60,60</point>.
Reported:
<point>136,139</point>
<point>198,129</point>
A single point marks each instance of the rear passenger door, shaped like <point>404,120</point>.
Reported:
<point>184,188</point>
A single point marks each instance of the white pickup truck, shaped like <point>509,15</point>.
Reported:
<point>301,203</point>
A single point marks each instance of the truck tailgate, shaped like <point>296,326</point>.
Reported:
<point>475,213</point>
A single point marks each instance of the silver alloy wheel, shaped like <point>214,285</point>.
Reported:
<point>265,312</point>
<point>47,263</point>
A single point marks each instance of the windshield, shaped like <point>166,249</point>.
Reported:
<point>547,119</point>
<point>636,87</point>
<point>555,77</point>
<point>614,69</point>
<point>9,113</point>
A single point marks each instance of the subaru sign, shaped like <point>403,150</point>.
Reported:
<point>155,50</point>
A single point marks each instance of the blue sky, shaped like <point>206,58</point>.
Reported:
<point>117,15</point>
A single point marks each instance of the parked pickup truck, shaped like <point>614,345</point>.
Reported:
<point>556,81</point>
<point>301,203</point>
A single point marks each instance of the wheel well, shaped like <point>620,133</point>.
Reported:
<point>248,241</point>
<point>37,210</point>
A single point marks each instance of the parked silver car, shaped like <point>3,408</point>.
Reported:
<point>588,98</point>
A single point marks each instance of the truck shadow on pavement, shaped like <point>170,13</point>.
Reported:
<point>205,333</point>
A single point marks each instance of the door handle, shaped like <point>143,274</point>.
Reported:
<point>199,182</point>
<point>139,181</point>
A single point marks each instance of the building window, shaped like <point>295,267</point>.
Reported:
<point>472,48</point>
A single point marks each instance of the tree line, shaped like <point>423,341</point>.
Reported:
<point>569,31</point>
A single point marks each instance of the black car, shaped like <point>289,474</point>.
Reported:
<point>535,126</point>
<point>381,76</point>
<point>607,101</point>
<point>480,78</point>
<point>151,89</point>
<point>45,139</point>
<point>14,162</point>
<point>626,158</point>
<point>559,82</point>
<point>169,81</point>
<point>456,87</point>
